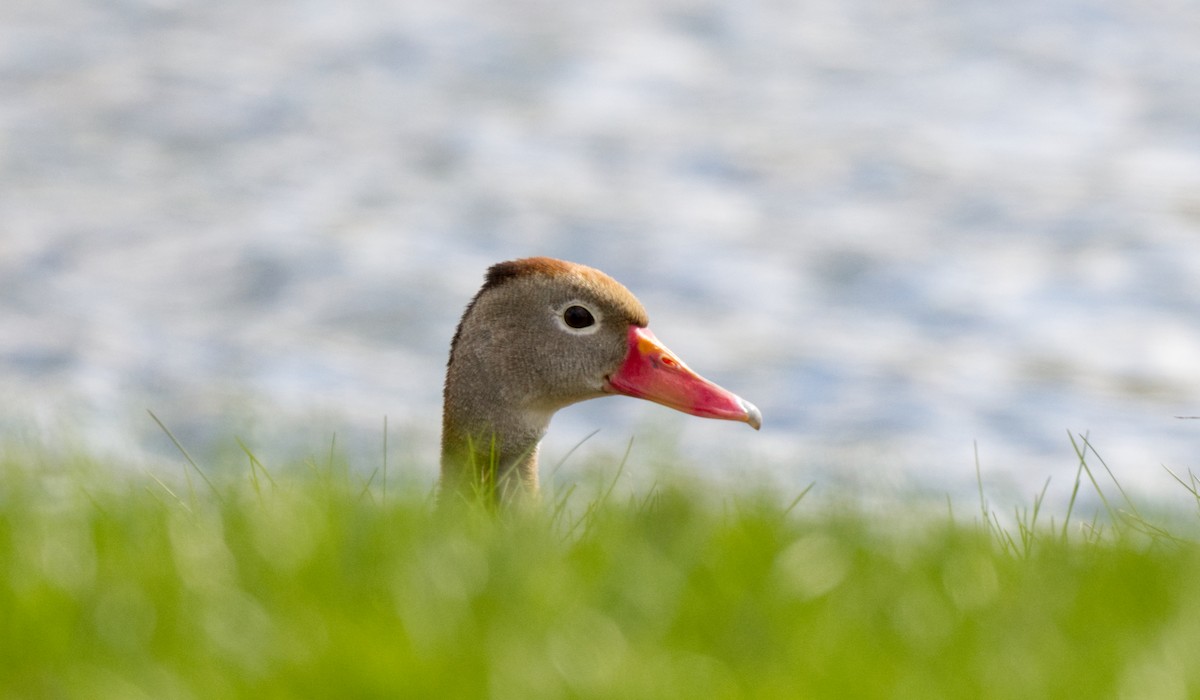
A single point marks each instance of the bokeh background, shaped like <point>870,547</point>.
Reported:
<point>903,229</point>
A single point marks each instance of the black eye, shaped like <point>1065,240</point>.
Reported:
<point>578,317</point>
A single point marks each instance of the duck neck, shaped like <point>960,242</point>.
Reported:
<point>489,450</point>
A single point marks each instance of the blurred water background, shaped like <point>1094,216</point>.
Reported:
<point>903,229</point>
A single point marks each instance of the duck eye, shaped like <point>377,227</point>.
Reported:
<point>578,317</point>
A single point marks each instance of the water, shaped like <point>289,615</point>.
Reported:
<point>904,230</point>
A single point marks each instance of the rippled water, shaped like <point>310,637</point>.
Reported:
<point>903,229</point>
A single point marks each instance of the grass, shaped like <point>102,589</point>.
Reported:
<point>311,581</point>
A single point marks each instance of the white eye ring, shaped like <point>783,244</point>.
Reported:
<point>576,311</point>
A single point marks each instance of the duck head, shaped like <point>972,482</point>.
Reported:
<point>542,334</point>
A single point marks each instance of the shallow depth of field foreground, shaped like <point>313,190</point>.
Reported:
<point>309,580</point>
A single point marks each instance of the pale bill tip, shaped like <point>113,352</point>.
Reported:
<point>753,415</point>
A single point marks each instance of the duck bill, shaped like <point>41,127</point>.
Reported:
<point>654,373</point>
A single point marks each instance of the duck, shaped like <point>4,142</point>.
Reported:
<point>542,334</point>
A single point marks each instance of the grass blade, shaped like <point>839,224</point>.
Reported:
<point>189,459</point>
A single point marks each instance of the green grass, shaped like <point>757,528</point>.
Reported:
<point>310,581</point>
